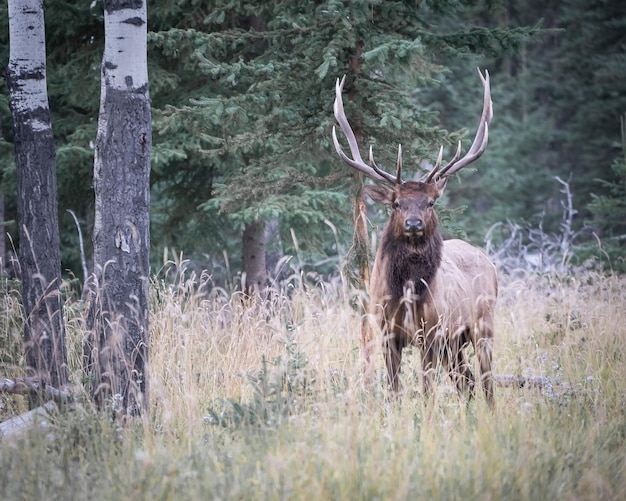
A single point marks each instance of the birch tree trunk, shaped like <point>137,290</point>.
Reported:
<point>116,350</point>
<point>35,160</point>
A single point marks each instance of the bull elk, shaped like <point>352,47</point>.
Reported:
<point>436,295</point>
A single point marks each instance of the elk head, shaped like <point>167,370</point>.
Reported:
<point>413,215</point>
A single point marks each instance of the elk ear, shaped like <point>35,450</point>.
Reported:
<point>379,194</point>
<point>440,184</point>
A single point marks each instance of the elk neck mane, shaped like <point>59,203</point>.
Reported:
<point>406,261</point>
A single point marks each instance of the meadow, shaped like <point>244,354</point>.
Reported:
<point>267,401</point>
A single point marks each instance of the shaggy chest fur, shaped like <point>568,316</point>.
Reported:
<point>411,264</point>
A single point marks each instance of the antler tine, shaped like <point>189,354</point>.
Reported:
<point>377,169</point>
<point>480,141</point>
<point>439,159</point>
<point>399,166</point>
<point>435,169</point>
<point>356,162</point>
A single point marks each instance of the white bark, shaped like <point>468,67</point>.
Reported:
<point>124,64</point>
<point>35,161</point>
<point>116,351</point>
<point>125,48</point>
<point>28,56</point>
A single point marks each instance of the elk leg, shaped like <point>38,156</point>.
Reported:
<point>392,349</point>
<point>462,375</point>
<point>484,352</point>
<point>459,368</point>
<point>430,356</point>
<point>366,350</point>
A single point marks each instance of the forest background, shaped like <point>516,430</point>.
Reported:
<point>242,110</point>
<point>266,400</point>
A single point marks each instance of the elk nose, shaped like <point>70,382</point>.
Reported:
<point>413,225</point>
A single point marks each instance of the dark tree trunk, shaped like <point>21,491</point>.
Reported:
<point>254,266</point>
<point>361,256</point>
<point>360,251</point>
<point>35,160</point>
<point>116,351</point>
<point>3,248</point>
<point>360,237</point>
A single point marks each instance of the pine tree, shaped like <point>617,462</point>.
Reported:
<point>592,92</point>
<point>264,77</point>
<point>513,179</point>
<point>558,98</point>
<point>610,209</point>
<point>242,108</point>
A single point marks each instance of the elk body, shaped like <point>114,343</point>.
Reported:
<point>436,295</point>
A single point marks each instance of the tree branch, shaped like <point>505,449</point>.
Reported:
<point>34,386</point>
<point>514,381</point>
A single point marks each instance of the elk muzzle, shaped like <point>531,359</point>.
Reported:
<point>413,226</point>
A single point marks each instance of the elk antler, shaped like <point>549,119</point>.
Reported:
<point>373,171</point>
<point>480,141</point>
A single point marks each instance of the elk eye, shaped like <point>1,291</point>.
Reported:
<point>395,204</point>
<point>431,203</point>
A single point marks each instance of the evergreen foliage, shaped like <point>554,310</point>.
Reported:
<point>260,109</point>
<point>610,209</point>
<point>592,103</point>
<point>557,104</point>
<point>242,108</point>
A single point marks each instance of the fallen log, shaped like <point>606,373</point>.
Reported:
<point>34,386</point>
<point>18,425</point>
<point>514,381</point>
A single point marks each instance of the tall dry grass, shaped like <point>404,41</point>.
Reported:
<point>266,401</point>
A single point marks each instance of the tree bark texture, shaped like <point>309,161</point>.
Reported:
<point>3,249</point>
<point>35,160</point>
<point>360,240</point>
<point>116,350</point>
<point>254,266</point>
<point>361,255</point>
